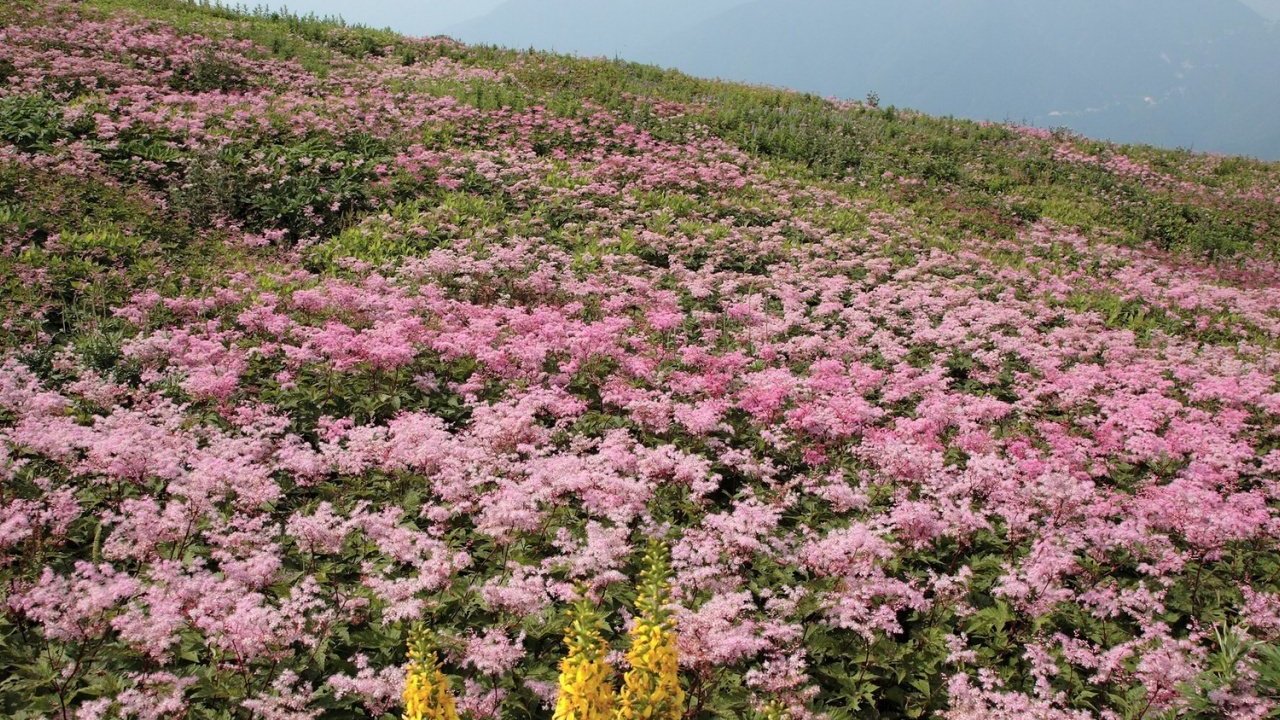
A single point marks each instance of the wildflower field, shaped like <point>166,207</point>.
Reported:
<point>348,375</point>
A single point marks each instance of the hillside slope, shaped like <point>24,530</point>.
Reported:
<point>430,17</point>
<point>1188,73</point>
<point>315,334</point>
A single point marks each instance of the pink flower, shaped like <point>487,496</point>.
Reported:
<point>493,652</point>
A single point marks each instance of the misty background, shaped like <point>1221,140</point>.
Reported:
<point>1198,74</point>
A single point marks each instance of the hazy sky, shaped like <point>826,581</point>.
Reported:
<point>1203,74</point>
<point>430,17</point>
<point>415,17</point>
<point>1269,8</point>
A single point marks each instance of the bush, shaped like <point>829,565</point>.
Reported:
<point>311,188</point>
<point>212,71</point>
<point>31,122</point>
<point>1177,227</point>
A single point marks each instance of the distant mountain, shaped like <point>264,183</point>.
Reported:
<point>1175,72</point>
<point>1269,9</point>
<point>1192,73</point>
<point>589,27</point>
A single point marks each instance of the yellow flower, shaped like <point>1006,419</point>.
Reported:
<point>775,710</point>
<point>426,688</point>
<point>651,688</point>
<point>586,680</point>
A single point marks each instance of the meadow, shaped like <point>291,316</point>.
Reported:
<point>313,337</point>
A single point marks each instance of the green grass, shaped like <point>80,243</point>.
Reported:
<point>977,179</point>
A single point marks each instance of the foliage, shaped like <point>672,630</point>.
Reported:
<point>30,122</point>
<point>427,695</point>
<point>586,685</point>
<point>651,685</point>
<point>309,332</point>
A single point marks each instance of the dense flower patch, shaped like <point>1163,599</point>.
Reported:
<point>299,354</point>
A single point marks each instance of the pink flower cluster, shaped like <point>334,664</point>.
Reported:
<point>849,438</point>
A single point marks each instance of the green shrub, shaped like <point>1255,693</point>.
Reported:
<point>311,188</point>
<point>31,122</point>
<point>1174,226</point>
<point>212,71</point>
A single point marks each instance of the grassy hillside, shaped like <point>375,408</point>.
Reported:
<point>1169,72</point>
<point>312,334</point>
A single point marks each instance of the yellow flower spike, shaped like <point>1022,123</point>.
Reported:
<point>651,688</point>
<point>427,695</point>
<point>586,679</point>
<point>775,710</point>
